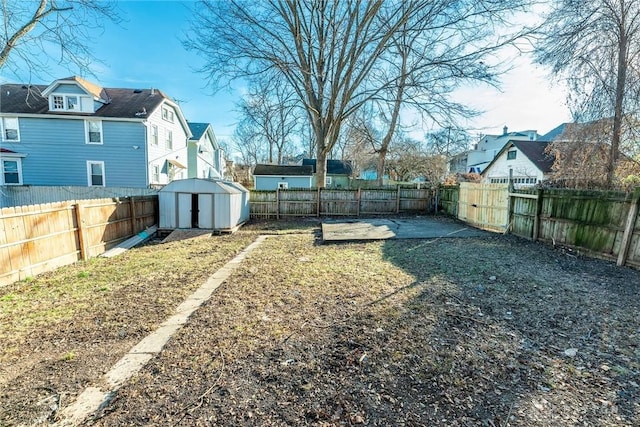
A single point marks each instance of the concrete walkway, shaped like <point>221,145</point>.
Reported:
<point>396,228</point>
<point>94,398</point>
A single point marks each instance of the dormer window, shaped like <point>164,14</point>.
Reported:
<point>65,102</point>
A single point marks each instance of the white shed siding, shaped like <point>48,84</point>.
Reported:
<point>222,205</point>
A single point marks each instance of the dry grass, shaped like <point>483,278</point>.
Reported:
<point>445,332</point>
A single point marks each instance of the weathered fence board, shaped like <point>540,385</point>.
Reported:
<point>38,238</point>
<point>602,224</point>
<point>342,202</point>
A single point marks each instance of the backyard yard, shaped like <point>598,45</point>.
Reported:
<point>477,331</point>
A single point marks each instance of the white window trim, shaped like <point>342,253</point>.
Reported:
<point>4,135</point>
<point>283,185</point>
<point>65,102</point>
<point>87,129</point>
<point>104,178</point>
<point>327,180</point>
<point>168,114</point>
<point>168,142</point>
<point>155,174</point>
<point>11,159</point>
<point>155,139</point>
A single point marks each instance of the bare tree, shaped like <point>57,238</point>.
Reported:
<point>271,113</point>
<point>32,32</point>
<point>595,46</point>
<point>325,50</point>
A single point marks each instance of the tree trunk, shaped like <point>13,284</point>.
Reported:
<point>618,112</point>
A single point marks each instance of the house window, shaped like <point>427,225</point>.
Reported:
<point>72,102</point>
<point>327,180</point>
<point>64,102</point>
<point>94,131</point>
<point>95,172</point>
<point>10,129</point>
<point>167,114</point>
<point>283,185</point>
<point>156,174</point>
<point>154,134</point>
<point>11,172</point>
<point>169,140</point>
<point>511,154</point>
<point>57,102</point>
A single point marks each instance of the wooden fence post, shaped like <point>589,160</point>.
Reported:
<point>132,206</point>
<point>318,204</point>
<point>358,196</point>
<point>398,198</point>
<point>278,203</point>
<point>536,219</point>
<point>82,239</point>
<point>629,228</point>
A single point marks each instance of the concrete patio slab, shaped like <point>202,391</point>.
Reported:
<point>396,228</point>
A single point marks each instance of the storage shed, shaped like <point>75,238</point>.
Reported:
<point>203,203</point>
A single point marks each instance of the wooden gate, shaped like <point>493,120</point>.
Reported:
<point>484,206</point>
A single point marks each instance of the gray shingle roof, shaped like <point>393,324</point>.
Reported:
<point>283,170</point>
<point>124,103</point>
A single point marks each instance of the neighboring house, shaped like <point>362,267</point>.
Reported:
<point>339,172</point>
<point>272,177</point>
<point>486,149</point>
<point>76,133</point>
<point>527,161</point>
<point>205,157</point>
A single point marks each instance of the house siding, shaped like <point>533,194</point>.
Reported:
<point>69,89</point>
<point>271,182</point>
<point>521,166</point>
<point>57,152</point>
<point>158,155</point>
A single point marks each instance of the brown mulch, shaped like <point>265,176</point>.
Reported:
<point>493,331</point>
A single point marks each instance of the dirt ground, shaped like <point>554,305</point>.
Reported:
<point>494,331</point>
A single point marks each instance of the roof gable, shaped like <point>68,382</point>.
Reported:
<point>533,150</point>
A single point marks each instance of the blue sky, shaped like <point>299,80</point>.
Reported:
<point>145,50</point>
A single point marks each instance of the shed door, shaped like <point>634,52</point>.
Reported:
<point>184,210</point>
<point>205,216</point>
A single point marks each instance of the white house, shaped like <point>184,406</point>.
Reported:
<point>206,158</point>
<point>525,160</point>
<point>486,150</point>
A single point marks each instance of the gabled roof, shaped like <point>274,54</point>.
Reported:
<point>334,167</point>
<point>283,170</point>
<point>554,133</point>
<point>198,129</point>
<point>87,86</point>
<point>123,103</point>
<point>533,150</point>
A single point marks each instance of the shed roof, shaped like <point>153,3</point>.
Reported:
<point>283,170</point>
<point>203,186</point>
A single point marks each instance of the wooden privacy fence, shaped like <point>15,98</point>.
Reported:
<point>39,238</point>
<point>602,223</point>
<point>484,205</point>
<point>343,202</point>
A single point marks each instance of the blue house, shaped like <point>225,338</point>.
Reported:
<point>205,157</point>
<point>77,133</point>
<point>272,177</point>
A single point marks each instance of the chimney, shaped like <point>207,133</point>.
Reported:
<point>153,91</point>
<point>504,130</point>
